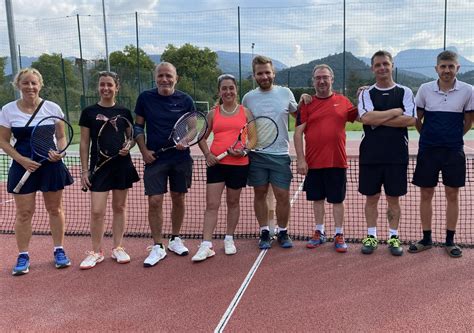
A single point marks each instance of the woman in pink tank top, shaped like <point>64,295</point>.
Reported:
<point>225,122</point>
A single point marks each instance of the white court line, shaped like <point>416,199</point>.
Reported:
<point>6,201</point>
<point>238,296</point>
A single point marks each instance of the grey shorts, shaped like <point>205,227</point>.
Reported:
<point>155,177</point>
<point>270,169</point>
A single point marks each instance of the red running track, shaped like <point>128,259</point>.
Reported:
<point>292,290</point>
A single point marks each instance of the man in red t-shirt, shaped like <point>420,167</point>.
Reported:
<point>323,122</point>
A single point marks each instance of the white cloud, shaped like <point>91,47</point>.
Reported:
<point>300,32</point>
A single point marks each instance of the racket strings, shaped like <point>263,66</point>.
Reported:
<point>260,133</point>
<point>190,130</point>
<point>43,140</point>
<point>114,135</point>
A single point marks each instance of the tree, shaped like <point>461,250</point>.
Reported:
<point>197,68</point>
<point>127,59</point>
<point>3,63</point>
<point>51,68</point>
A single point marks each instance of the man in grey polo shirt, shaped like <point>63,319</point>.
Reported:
<point>271,166</point>
<point>444,115</point>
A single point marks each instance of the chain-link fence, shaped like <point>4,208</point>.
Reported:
<point>343,33</point>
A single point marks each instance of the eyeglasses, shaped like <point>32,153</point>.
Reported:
<point>225,77</point>
<point>323,77</point>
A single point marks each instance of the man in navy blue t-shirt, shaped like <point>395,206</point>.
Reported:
<point>444,116</point>
<point>160,108</point>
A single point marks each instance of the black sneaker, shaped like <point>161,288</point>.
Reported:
<point>284,240</point>
<point>395,246</point>
<point>369,244</point>
<point>265,240</point>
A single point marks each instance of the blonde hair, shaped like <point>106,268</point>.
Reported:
<point>25,71</point>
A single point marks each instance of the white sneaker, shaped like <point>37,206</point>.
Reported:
<point>178,247</point>
<point>156,254</point>
<point>120,255</point>
<point>92,259</point>
<point>229,247</point>
<point>203,253</point>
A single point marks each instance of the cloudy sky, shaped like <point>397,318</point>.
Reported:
<point>292,31</point>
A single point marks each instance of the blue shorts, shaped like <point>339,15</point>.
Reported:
<point>270,169</point>
<point>155,177</point>
<point>327,183</point>
<point>431,161</point>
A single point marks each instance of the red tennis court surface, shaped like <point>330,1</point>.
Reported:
<point>295,290</point>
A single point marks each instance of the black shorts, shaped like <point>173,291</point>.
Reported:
<point>155,177</point>
<point>327,183</point>
<point>393,177</point>
<point>234,176</point>
<point>451,163</point>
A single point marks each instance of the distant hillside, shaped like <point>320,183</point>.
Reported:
<point>357,72</point>
<point>467,77</point>
<point>402,70</point>
<point>229,63</point>
<point>423,61</point>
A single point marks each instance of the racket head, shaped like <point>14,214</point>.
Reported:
<point>116,133</point>
<point>45,133</point>
<point>258,134</point>
<point>189,129</point>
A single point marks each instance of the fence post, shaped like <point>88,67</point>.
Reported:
<point>344,48</point>
<point>66,106</point>
<point>240,54</point>
<point>445,22</point>
<point>80,55</point>
<point>138,53</point>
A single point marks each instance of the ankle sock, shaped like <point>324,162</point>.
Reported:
<point>426,237</point>
<point>450,237</point>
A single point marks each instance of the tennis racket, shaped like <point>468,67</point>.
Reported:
<point>188,130</point>
<point>115,134</point>
<point>256,135</point>
<point>44,138</point>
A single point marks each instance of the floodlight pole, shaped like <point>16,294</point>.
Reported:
<point>12,40</point>
<point>105,35</point>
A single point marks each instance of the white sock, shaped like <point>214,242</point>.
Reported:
<point>372,231</point>
<point>228,237</point>
<point>339,230</point>
<point>26,252</point>
<point>207,243</point>
<point>320,227</point>
<point>58,247</point>
<point>266,227</point>
<point>281,229</point>
<point>392,232</point>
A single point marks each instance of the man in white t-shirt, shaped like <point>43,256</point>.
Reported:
<point>271,166</point>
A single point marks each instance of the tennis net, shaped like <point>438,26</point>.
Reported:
<point>77,208</point>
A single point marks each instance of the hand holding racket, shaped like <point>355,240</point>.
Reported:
<point>187,131</point>
<point>114,139</point>
<point>49,140</point>
<point>256,135</point>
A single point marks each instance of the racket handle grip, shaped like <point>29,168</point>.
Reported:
<point>22,181</point>
<point>221,156</point>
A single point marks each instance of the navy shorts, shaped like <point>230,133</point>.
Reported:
<point>393,177</point>
<point>234,176</point>
<point>327,183</point>
<point>156,175</point>
<point>431,161</point>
